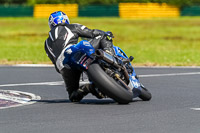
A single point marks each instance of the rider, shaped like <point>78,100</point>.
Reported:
<point>62,36</point>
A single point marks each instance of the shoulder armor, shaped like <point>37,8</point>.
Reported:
<point>54,33</point>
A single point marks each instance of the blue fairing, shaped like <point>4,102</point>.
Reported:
<point>85,47</point>
<point>80,56</point>
<point>120,53</point>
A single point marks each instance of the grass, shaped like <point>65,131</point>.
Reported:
<point>170,41</point>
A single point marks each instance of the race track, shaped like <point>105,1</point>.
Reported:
<point>174,108</point>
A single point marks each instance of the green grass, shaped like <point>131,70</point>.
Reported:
<point>173,42</point>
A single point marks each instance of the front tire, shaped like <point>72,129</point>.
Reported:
<point>145,94</point>
<point>108,85</point>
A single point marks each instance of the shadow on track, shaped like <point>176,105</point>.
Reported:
<point>53,101</point>
<point>84,101</point>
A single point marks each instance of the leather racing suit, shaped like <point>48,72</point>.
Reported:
<point>64,35</point>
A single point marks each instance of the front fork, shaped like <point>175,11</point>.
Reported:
<point>135,85</point>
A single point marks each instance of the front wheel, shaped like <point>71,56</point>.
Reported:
<point>145,95</point>
<point>108,85</point>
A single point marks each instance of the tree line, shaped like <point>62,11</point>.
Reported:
<point>180,3</point>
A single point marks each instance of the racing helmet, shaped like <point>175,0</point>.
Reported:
<point>56,18</point>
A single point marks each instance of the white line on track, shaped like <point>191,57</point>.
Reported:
<point>40,83</point>
<point>179,67</point>
<point>84,82</point>
<point>170,74</point>
<point>32,84</point>
<point>33,65</point>
<point>197,109</point>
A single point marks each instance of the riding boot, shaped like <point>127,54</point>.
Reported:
<point>78,95</point>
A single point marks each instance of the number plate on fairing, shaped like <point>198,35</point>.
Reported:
<point>134,83</point>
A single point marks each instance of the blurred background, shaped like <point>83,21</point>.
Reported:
<point>155,32</point>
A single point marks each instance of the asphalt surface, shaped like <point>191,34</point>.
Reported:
<point>169,111</point>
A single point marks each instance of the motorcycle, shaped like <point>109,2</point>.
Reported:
<point>112,75</point>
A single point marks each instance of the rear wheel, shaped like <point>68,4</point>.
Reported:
<point>108,85</point>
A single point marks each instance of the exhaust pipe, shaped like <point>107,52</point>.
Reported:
<point>111,60</point>
<point>107,57</point>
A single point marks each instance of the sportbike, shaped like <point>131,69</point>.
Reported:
<point>112,75</point>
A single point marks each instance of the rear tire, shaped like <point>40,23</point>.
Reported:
<point>108,85</point>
